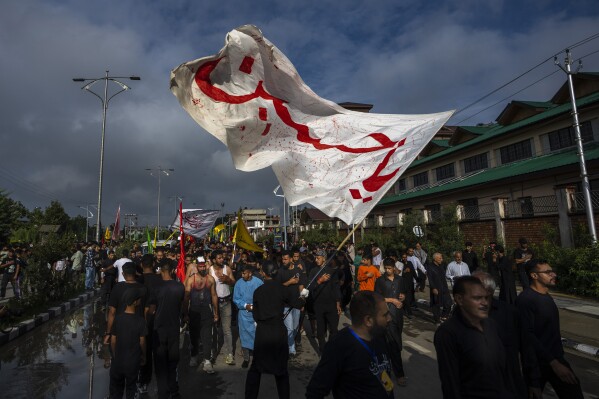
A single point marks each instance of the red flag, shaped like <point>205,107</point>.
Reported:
<point>115,231</point>
<point>181,264</point>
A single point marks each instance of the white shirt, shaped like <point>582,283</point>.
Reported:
<point>399,266</point>
<point>377,259</point>
<point>118,265</point>
<point>455,269</point>
<point>416,263</point>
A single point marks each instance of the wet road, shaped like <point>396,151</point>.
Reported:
<point>53,361</point>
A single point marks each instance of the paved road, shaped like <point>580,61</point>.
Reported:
<point>52,361</point>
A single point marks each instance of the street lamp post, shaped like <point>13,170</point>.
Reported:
<point>105,101</point>
<point>284,214</point>
<point>87,217</point>
<point>159,171</point>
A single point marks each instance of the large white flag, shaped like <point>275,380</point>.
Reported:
<point>196,222</point>
<point>251,98</point>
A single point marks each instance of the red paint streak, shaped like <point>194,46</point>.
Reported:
<point>246,65</point>
<point>355,193</point>
<point>367,199</point>
<point>266,129</point>
<point>262,114</point>
<point>242,128</point>
<point>372,183</point>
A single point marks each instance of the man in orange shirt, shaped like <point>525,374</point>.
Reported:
<point>367,273</point>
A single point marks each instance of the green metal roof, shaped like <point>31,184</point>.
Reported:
<point>498,130</point>
<point>441,143</point>
<point>544,162</point>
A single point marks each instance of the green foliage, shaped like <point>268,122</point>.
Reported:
<point>10,213</point>
<point>55,214</point>
<point>320,235</point>
<point>577,268</point>
<point>42,285</point>
<point>444,235</point>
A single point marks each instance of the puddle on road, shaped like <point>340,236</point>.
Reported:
<point>53,360</point>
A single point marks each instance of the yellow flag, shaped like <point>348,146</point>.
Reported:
<point>218,231</point>
<point>243,239</point>
<point>107,234</point>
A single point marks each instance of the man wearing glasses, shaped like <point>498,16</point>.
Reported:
<point>539,317</point>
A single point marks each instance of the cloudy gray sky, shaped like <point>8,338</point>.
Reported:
<point>401,56</point>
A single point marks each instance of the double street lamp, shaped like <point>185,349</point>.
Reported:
<point>105,99</point>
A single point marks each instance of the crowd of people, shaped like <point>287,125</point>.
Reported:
<point>504,347</point>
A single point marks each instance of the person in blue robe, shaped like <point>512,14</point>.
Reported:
<point>243,295</point>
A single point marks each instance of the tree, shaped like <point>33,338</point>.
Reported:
<point>55,214</point>
<point>10,213</point>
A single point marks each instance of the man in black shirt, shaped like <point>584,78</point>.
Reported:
<point>271,351</point>
<point>471,357</point>
<point>128,344</point>
<point>294,280</point>
<point>167,300</point>
<point>390,286</point>
<point>470,258</point>
<point>326,298</point>
<point>116,304</point>
<point>539,317</point>
<point>356,362</point>
<point>439,292</point>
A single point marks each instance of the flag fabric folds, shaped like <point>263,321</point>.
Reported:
<point>117,225</point>
<point>218,232</point>
<point>251,98</point>
<point>195,222</point>
<point>242,237</point>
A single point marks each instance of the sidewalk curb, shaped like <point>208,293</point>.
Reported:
<point>568,343</point>
<point>28,325</point>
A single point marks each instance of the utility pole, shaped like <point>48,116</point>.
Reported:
<point>586,187</point>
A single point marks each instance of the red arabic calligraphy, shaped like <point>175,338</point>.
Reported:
<point>371,184</point>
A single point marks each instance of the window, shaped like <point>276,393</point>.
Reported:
<point>435,212</point>
<point>420,179</point>
<point>564,138</point>
<point>476,162</point>
<point>516,152</point>
<point>471,211</point>
<point>401,185</point>
<point>526,207</point>
<point>445,172</point>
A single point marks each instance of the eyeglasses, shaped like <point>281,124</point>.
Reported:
<point>547,272</point>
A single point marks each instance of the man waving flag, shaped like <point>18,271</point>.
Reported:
<point>252,99</point>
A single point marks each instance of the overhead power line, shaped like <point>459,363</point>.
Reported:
<point>577,44</point>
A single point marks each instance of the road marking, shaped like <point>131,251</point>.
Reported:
<point>417,347</point>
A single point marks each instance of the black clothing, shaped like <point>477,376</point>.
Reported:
<point>391,289</point>
<point>507,291</point>
<point>126,362</point>
<point>491,265</point>
<point>200,328</point>
<point>508,329</point>
<point>437,280</point>
<point>324,301</point>
<point>128,328</point>
<point>408,279</point>
<point>270,345</point>
<point>520,253</point>
<point>539,318</point>
<point>348,369</point>
<point>116,297</point>
<point>150,281</point>
<point>472,363</point>
<point>471,259</point>
<point>271,352</point>
<point>168,298</point>
<point>284,275</point>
